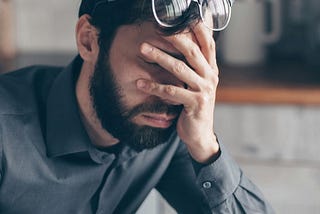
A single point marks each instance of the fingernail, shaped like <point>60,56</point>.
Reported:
<point>146,48</point>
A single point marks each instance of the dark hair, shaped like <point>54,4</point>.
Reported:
<point>107,16</point>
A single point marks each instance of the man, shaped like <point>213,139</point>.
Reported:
<point>133,112</point>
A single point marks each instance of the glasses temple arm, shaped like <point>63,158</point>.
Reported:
<point>231,2</point>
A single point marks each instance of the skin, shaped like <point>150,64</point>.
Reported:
<point>147,64</point>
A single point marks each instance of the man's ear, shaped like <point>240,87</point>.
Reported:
<point>87,39</point>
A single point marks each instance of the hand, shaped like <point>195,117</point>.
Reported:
<point>200,74</point>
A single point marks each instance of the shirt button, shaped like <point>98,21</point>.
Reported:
<point>206,185</point>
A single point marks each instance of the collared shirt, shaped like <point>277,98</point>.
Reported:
<point>48,164</point>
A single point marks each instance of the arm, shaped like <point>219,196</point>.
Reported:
<point>185,186</point>
<point>233,192</point>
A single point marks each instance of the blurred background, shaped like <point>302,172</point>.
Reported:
<point>268,101</point>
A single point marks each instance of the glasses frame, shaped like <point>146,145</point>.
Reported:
<point>199,3</point>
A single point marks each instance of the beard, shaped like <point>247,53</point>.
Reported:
<point>116,118</point>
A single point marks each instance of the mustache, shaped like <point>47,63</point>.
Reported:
<point>154,106</point>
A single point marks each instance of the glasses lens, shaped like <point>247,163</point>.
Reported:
<point>170,12</point>
<point>216,13</point>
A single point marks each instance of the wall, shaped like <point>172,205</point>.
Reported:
<point>278,149</point>
<point>45,26</point>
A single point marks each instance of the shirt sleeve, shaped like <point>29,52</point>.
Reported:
<point>227,189</point>
<point>218,187</point>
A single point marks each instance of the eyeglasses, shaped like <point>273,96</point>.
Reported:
<point>215,14</point>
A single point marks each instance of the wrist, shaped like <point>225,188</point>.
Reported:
<point>205,152</point>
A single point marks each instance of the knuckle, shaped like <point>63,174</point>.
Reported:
<point>201,100</point>
<point>209,89</point>
<point>178,67</point>
<point>214,79</point>
<point>212,46</point>
<point>193,51</point>
<point>170,90</point>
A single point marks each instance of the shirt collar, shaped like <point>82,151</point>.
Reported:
<point>65,131</point>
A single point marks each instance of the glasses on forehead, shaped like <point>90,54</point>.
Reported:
<point>215,14</point>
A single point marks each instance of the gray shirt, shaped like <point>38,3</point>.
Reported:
<point>48,164</point>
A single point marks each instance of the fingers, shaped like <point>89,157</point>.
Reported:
<point>169,93</point>
<point>206,42</point>
<point>171,64</point>
<point>198,48</point>
<point>191,52</point>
